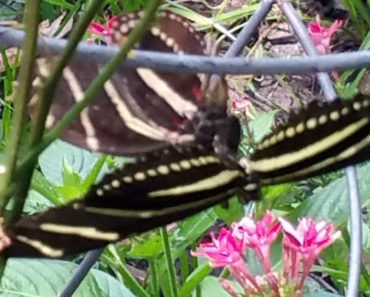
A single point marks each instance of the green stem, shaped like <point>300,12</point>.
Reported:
<point>97,83</point>
<point>195,266</point>
<point>112,258</point>
<point>169,262</point>
<point>21,98</point>
<point>193,280</point>
<point>47,92</point>
<point>184,265</point>
<point>43,105</point>
<point>20,105</point>
<point>154,281</point>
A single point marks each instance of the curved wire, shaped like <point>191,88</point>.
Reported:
<point>192,63</point>
<point>354,199</point>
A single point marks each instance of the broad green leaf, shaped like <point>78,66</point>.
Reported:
<point>149,248</point>
<point>275,197</point>
<point>36,202</point>
<point>45,278</point>
<point>192,228</point>
<point>233,211</point>
<point>70,193</point>
<point>70,177</point>
<point>330,203</point>
<point>43,186</point>
<point>79,160</point>
<point>261,125</point>
<point>93,174</point>
<point>366,238</point>
<point>212,287</point>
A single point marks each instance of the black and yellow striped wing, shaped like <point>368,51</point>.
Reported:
<point>320,138</point>
<point>169,185</point>
<point>163,187</point>
<point>137,110</point>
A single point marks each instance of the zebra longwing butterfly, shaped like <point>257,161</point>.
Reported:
<point>165,185</point>
<point>169,185</point>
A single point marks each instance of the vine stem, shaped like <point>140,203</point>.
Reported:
<point>169,261</point>
<point>31,21</point>
<point>113,259</point>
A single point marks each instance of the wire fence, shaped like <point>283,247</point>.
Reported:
<point>232,64</point>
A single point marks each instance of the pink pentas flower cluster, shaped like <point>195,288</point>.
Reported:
<point>321,35</point>
<point>301,247</point>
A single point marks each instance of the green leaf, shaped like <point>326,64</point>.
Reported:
<point>191,229</point>
<point>36,202</point>
<point>276,197</point>
<point>70,193</point>
<point>40,184</point>
<point>149,248</point>
<point>212,287</point>
<point>330,203</point>
<point>366,238</point>
<point>70,177</point>
<point>233,211</point>
<point>94,173</point>
<point>79,160</point>
<point>261,125</point>
<point>45,278</point>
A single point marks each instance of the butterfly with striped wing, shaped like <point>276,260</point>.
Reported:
<point>170,183</point>
<point>141,109</point>
<point>167,185</point>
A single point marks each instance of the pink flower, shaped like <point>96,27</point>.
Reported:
<point>258,235</point>
<point>103,30</point>
<point>304,244</point>
<point>222,251</point>
<point>227,251</point>
<point>321,35</point>
<point>241,103</point>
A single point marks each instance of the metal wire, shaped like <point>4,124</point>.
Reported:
<point>249,28</point>
<point>80,273</point>
<point>355,254</point>
<point>308,46</point>
<point>192,63</point>
<point>354,199</point>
